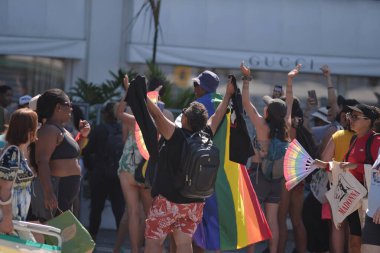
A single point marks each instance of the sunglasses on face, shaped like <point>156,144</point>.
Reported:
<point>352,117</point>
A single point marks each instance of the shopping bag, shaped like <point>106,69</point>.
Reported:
<point>15,243</point>
<point>319,185</point>
<point>75,237</point>
<point>345,194</point>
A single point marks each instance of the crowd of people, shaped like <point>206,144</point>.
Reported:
<point>41,173</point>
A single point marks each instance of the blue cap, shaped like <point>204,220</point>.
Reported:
<point>208,80</point>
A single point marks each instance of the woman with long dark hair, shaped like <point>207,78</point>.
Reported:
<point>272,127</point>
<point>56,156</point>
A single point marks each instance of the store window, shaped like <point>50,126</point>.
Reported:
<point>31,75</point>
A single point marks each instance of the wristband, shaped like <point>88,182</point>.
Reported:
<point>246,78</point>
<point>7,202</point>
<point>80,136</point>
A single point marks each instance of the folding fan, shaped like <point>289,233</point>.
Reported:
<point>298,164</point>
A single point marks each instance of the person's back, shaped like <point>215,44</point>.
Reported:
<point>103,172</point>
<point>166,216</point>
<point>169,162</point>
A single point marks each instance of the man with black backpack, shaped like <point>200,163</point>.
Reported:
<point>101,157</point>
<point>179,194</point>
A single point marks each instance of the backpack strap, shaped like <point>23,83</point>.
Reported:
<point>368,155</point>
<point>352,144</point>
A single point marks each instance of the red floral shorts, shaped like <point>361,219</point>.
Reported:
<point>165,216</point>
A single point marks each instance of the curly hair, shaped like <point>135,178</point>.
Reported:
<point>197,116</point>
<point>48,100</point>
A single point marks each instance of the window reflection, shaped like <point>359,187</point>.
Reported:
<point>31,75</point>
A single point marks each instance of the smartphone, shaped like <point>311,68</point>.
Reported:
<point>312,94</point>
<point>277,91</point>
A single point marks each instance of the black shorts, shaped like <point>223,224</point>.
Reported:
<point>354,223</point>
<point>267,191</point>
<point>371,232</point>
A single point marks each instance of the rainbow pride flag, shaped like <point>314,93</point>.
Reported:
<point>232,217</point>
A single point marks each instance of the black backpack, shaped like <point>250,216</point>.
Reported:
<point>198,166</point>
<point>113,149</point>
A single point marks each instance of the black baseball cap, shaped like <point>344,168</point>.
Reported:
<point>368,111</point>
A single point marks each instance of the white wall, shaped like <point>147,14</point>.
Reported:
<point>43,28</point>
<point>220,33</point>
<point>104,42</point>
<point>85,32</point>
<point>94,36</point>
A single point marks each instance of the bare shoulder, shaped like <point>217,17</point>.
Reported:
<point>49,132</point>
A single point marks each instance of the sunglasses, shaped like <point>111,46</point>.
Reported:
<point>352,117</point>
<point>184,111</point>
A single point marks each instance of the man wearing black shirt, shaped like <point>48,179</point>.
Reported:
<point>171,212</point>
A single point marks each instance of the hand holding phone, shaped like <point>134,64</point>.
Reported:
<point>312,97</point>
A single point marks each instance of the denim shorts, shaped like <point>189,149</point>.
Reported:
<point>267,191</point>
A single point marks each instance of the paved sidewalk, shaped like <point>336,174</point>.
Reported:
<point>106,238</point>
<point>107,234</point>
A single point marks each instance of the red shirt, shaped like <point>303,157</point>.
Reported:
<point>358,154</point>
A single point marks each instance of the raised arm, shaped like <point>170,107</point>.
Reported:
<point>164,126</point>
<point>255,117</point>
<point>331,92</point>
<point>289,95</point>
<point>218,115</point>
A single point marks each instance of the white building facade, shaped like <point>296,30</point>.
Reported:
<point>51,43</point>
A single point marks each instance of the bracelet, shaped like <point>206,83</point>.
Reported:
<point>7,202</point>
<point>246,78</point>
<point>80,136</point>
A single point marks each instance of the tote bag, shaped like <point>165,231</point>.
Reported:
<point>345,195</point>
